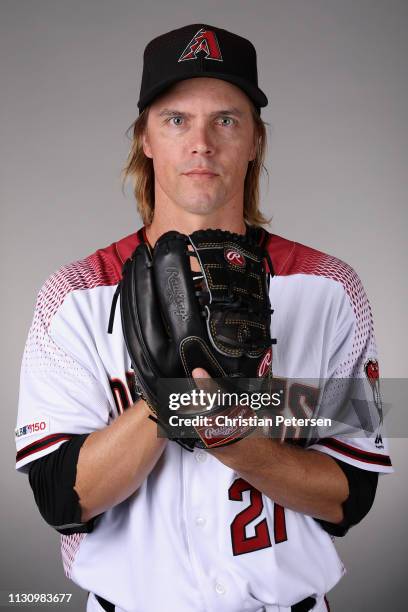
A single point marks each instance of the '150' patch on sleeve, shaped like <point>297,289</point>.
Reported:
<point>42,425</point>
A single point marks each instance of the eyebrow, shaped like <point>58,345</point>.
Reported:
<point>170,112</point>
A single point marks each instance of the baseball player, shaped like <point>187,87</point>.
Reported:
<point>145,524</point>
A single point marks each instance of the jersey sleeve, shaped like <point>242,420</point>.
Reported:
<point>351,395</point>
<point>62,390</point>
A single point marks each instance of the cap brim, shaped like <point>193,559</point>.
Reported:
<point>254,93</point>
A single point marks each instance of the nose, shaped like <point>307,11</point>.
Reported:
<point>201,141</point>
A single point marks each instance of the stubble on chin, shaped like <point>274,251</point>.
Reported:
<point>201,208</point>
<point>204,206</point>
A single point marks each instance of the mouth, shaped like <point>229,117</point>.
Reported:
<point>200,174</point>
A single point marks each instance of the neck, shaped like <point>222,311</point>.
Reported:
<point>229,218</point>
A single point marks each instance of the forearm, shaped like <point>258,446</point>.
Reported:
<point>304,480</point>
<point>114,461</point>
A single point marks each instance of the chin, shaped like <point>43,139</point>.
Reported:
<point>203,208</point>
<point>200,207</point>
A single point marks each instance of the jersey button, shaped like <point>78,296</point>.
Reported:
<point>201,456</point>
<point>220,588</point>
<point>200,521</point>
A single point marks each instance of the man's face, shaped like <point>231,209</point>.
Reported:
<point>200,125</point>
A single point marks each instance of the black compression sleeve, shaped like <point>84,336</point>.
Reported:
<point>52,479</point>
<point>362,489</point>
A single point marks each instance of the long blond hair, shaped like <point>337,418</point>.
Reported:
<point>139,169</point>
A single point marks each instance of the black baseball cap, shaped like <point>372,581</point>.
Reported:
<point>199,50</point>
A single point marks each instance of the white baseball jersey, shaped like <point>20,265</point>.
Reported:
<point>195,536</point>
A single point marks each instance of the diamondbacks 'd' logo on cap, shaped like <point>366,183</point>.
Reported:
<point>203,40</point>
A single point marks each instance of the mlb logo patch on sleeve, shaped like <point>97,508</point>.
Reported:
<point>41,425</point>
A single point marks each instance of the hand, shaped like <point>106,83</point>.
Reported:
<point>238,432</point>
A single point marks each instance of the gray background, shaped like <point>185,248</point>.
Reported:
<point>335,72</point>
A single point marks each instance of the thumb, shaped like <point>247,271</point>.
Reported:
<point>200,373</point>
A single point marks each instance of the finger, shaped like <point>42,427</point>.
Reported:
<point>200,373</point>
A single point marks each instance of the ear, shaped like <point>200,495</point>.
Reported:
<point>146,145</point>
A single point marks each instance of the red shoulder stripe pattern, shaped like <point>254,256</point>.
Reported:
<point>291,258</point>
<point>104,267</point>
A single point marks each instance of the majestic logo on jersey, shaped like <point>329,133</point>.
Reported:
<point>265,364</point>
<point>175,295</point>
<point>372,370</point>
<point>234,258</point>
<point>379,441</point>
<point>204,41</point>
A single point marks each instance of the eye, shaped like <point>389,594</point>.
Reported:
<point>227,121</point>
<point>176,120</point>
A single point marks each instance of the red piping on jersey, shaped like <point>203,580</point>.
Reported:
<point>356,453</point>
<point>41,444</point>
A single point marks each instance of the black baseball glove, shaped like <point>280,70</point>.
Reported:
<point>218,318</point>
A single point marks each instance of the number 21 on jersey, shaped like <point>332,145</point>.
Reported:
<point>241,543</point>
